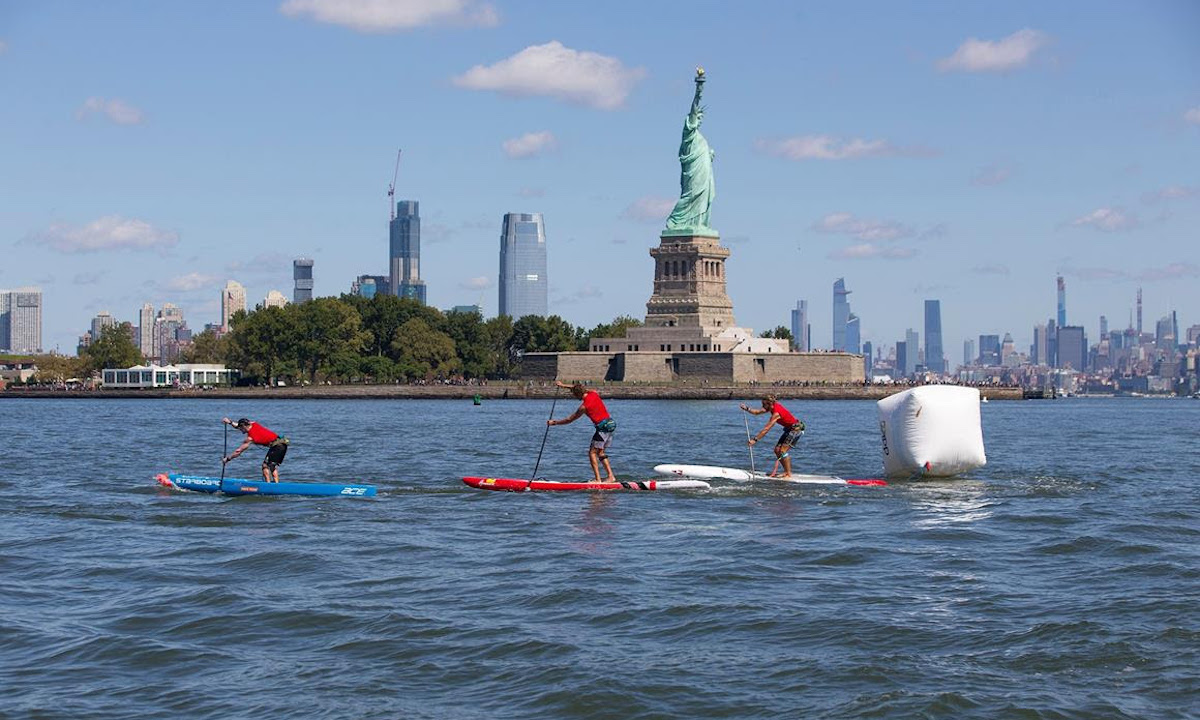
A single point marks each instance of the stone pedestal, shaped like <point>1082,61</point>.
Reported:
<point>689,284</point>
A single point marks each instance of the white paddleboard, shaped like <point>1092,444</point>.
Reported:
<point>710,472</point>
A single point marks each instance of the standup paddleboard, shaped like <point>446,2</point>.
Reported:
<point>709,472</point>
<point>236,486</point>
<point>517,485</point>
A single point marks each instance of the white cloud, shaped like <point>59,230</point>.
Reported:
<point>1010,53</point>
<point>1171,192</point>
<point>111,232</point>
<point>532,192</point>
<point>1192,116</point>
<point>88,278</point>
<point>827,147</point>
<point>1171,271</point>
<point>990,175</point>
<point>992,269</point>
<point>264,263</point>
<point>868,230</point>
<point>649,209</point>
<point>115,110</point>
<point>530,144</point>
<point>482,282</point>
<point>1107,219</point>
<point>863,251</point>
<point>193,281</point>
<point>381,16</point>
<point>587,292</point>
<point>585,78</point>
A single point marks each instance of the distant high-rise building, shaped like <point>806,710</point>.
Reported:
<point>841,314</point>
<point>302,276</point>
<point>1072,347</point>
<point>146,330</point>
<point>167,328</point>
<point>800,329</point>
<point>901,359</point>
<point>233,299</point>
<point>1062,301</point>
<point>989,350</point>
<point>868,360</point>
<point>1008,350</point>
<point>1165,332</point>
<point>968,352</point>
<point>1139,312</point>
<point>1103,327</point>
<point>912,340</point>
<point>21,320</point>
<point>523,282</point>
<point>1038,353</point>
<point>853,335</point>
<point>404,252</point>
<point>275,299</point>
<point>1052,343</point>
<point>103,319</point>
<point>369,286</point>
<point>935,357</point>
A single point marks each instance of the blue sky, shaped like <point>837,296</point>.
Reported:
<point>968,152</point>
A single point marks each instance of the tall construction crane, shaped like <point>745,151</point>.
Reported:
<point>392,187</point>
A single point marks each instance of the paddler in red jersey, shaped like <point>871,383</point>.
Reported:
<point>259,435</point>
<point>593,407</point>
<point>792,430</point>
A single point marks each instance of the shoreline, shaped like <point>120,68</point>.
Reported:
<point>499,391</point>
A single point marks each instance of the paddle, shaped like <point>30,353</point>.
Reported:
<point>224,452</point>
<point>749,447</point>
<point>544,436</point>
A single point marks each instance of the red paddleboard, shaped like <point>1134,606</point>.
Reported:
<point>518,485</point>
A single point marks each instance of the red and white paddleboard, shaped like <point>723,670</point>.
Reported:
<point>518,485</point>
<point>710,472</point>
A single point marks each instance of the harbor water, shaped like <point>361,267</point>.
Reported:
<point>1059,581</point>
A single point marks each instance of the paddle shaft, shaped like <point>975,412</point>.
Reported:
<point>749,447</point>
<point>544,436</point>
<point>225,450</point>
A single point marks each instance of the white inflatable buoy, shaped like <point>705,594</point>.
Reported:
<point>932,431</point>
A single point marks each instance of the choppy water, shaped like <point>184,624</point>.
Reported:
<point>1061,581</point>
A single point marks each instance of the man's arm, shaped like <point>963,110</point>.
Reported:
<point>767,427</point>
<point>752,411</point>
<point>568,420</point>
<point>241,449</point>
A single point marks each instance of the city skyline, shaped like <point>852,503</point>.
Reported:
<point>965,160</point>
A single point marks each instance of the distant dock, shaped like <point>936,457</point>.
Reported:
<point>501,391</point>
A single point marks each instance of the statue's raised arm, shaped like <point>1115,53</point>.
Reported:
<point>696,186</point>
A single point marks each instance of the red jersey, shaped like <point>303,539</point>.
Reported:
<point>786,419</point>
<point>594,407</point>
<point>259,435</point>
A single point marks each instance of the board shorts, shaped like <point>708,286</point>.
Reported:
<point>604,432</point>
<point>791,435</point>
<point>275,453</point>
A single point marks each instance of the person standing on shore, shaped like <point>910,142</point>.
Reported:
<point>592,406</point>
<point>259,435</point>
<point>792,430</point>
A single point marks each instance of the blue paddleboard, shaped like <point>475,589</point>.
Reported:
<point>237,486</point>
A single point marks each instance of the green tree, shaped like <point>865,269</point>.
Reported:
<point>534,333</point>
<point>779,333</point>
<point>423,352</point>
<point>206,347</point>
<point>261,340</point>
<point>614,329</point>
<point>113,349</point>
<point>331,338</point>
<point>55,368</point>
<point>382,315</point>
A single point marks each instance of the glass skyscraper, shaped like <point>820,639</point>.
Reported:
<point>404,252</point>
<point>800,327</point>
<point>523,284</point>
<point>21,320</point>
<point>302,269</point>
<point>841,314</point>
<point>935,358</point>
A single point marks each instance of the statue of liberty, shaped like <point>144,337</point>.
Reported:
<point>697,190</point>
